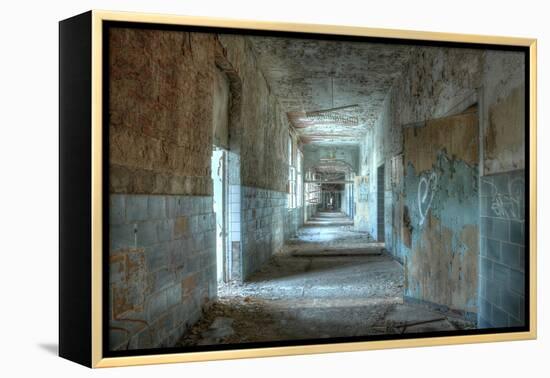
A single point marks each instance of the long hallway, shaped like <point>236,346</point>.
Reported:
<point>329,281</point>
<point>284,187</point>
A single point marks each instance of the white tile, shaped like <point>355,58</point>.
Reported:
<point>235,236</point>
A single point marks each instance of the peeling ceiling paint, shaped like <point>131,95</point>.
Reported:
<point>325,77</point>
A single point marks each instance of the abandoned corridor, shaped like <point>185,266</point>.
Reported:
<point>284,188</point>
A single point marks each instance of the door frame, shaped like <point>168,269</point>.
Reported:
<point>380,203</point>
<point>226,250</point>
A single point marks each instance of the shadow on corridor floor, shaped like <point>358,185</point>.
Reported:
<point>317,295</point>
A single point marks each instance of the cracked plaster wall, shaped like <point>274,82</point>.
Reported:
<point>164,116</point>
<point>437,83</point>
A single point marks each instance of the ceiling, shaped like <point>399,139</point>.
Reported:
<point>332,91</point>
<point>326,160</point>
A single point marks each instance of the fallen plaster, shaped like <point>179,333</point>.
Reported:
<point>317,296</point>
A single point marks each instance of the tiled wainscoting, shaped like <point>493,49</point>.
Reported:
<point>502,267</point>
<point>162,267</point>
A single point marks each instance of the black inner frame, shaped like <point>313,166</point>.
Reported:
<point>106,25</point>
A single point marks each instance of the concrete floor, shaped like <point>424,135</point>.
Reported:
<point>328,282</point>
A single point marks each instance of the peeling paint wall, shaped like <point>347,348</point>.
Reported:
<point>439,83</point>
<point>504,112</point>
<point>260,136</point>
<point>503,195</point>
<point>162,235</point>
<point>221,109</point>
<point>379,145</point>
<point>442,202</point>
<point>154,121</point>
<point>435,84</point>
<point>172,96</point>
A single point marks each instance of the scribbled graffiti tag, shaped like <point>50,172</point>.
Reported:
<point>363,192</point>
<point>507,204</point>
<point>426,191</point>
<point>363,189</point>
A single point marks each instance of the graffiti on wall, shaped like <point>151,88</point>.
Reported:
<point>427,188</point>
<point>507,203</point>
<point>363,189</point>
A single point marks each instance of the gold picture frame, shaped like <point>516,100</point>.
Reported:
<point>93,263</point>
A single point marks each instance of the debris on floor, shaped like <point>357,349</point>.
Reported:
<point>317,295</point>
<point>217,331</point>
<point>257,320</point>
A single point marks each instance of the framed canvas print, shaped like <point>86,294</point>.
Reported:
<point>234,189</point>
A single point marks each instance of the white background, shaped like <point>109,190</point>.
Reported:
<point>29,189</point>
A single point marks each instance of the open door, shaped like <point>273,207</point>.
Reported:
<point>220,188</point>
<point>380,204</point>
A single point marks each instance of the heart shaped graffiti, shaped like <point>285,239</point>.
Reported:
<point>426,190</point>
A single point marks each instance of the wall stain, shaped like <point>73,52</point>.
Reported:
<point>441,212</point>
<point>505,129</point>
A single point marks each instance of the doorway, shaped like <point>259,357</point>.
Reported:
<point>220,200</point>
<point>380,203</point>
